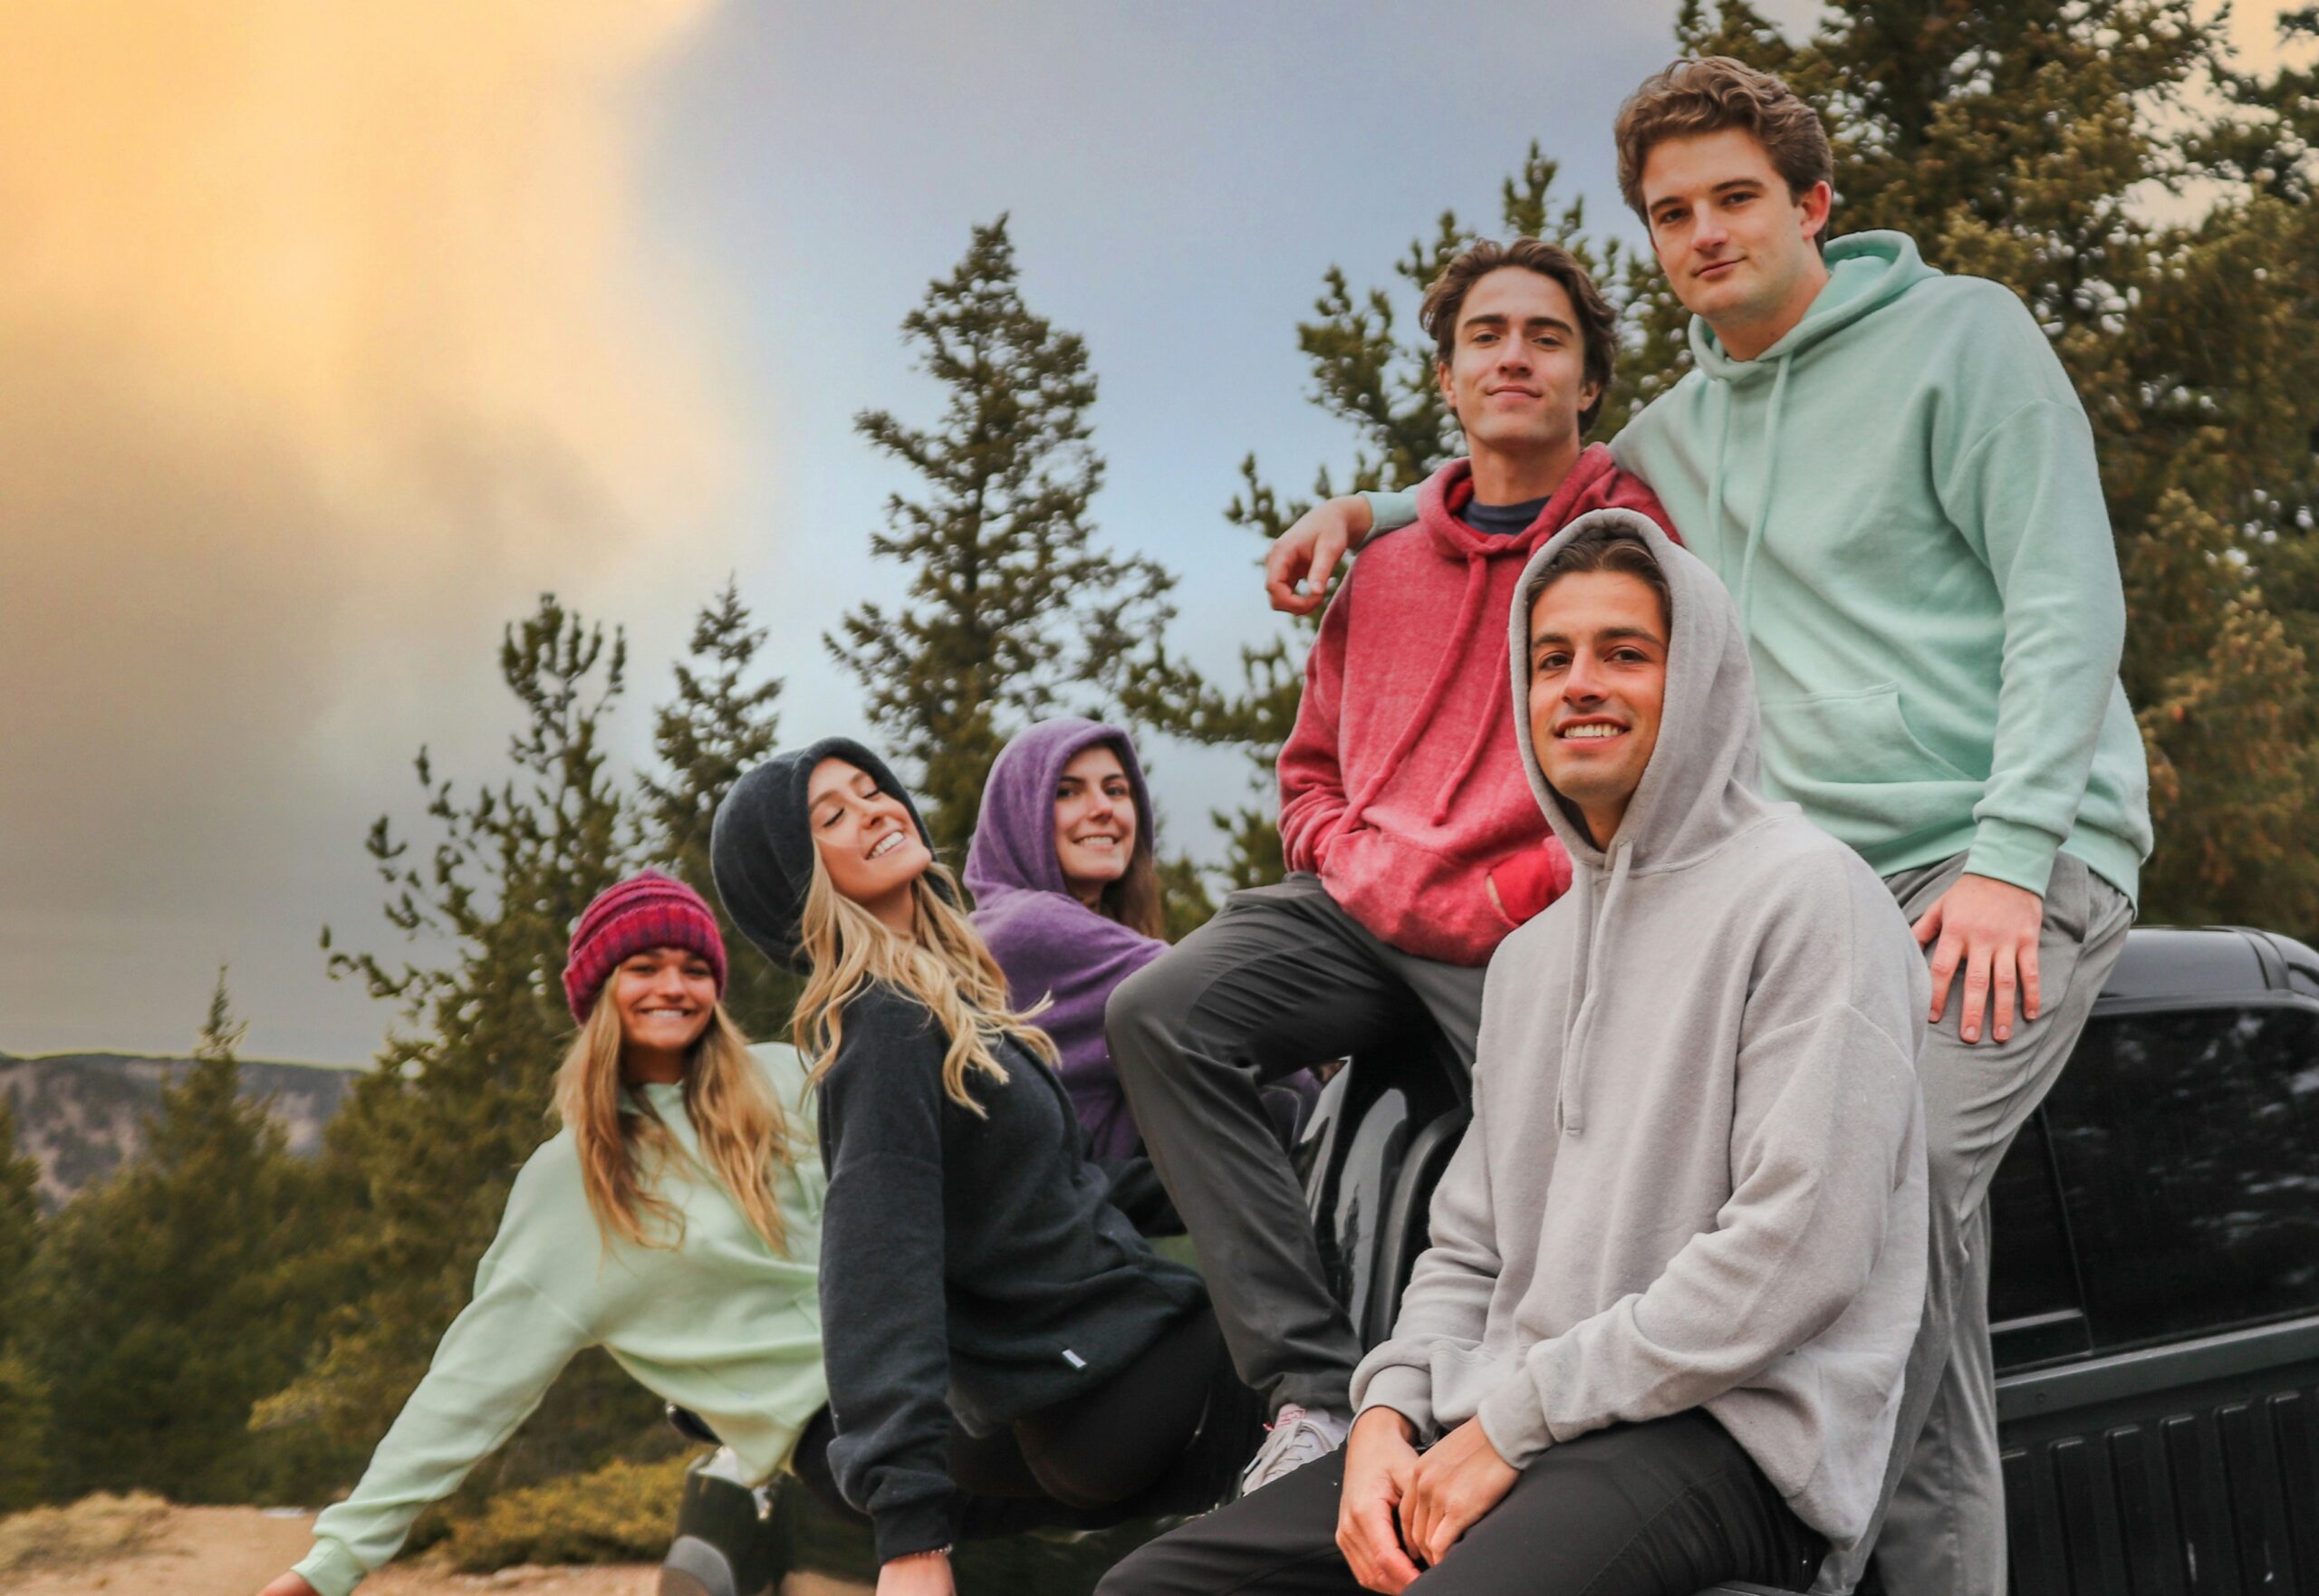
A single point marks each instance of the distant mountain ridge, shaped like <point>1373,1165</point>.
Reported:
<point>81,1114</point>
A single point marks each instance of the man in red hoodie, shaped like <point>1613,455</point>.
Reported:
<point>1412,839</point>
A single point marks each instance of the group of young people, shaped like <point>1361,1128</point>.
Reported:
<point>1762,883</point>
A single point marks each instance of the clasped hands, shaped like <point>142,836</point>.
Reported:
<point>1401,1507</point>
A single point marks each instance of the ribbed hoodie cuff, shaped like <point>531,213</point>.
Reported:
<point>331,1569</point>
<point>916,1526</point>
<point>1407,1391</point>
<point>1513,1422</point>
<point>1389,512</point>
<point>2006,850</point>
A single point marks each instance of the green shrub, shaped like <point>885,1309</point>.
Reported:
<point>24,1421</point>
<point>620,1513</point>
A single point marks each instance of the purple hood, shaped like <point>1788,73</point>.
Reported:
<point>1049,943</point>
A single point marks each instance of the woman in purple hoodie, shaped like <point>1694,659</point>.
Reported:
<point>1067,895</point>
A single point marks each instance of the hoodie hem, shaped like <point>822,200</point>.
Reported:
<point>2115,860</point>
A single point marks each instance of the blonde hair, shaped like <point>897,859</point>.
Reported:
<point>943,964</point>
<point>745,1136</point>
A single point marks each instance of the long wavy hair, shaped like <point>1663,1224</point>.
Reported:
<point>943,964</point>
<point>1136,900</point>
<point>745,1137</point>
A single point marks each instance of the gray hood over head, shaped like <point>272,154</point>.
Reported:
<point>1695,1175</point>
<point>1700,786</point>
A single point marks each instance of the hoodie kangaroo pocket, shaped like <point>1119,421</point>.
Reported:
<point>1411,896</point>
<point>1852,756</point>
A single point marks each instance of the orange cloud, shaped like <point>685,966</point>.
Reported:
<point>2255,33</point>
<point>322,325</point>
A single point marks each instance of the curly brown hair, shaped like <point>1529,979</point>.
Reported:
<point>1598,324</point>
<point>1616,548</point>
<point>1701,94</point>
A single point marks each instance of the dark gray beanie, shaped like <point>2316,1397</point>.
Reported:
<point>760,847</point>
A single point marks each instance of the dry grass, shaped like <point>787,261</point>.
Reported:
<point>94,1527</point>
<point>107,1545</point>
<point>619,1513</point>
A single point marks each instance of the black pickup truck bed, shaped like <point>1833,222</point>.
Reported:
<point>2155,1300</point>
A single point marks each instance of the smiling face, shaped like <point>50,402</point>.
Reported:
<point>665,998</point>
<point>1598,682</point>
<point>1516,375</point>
<point>866,840</point>
<point>1094,822</point>
<point>1735,245</point>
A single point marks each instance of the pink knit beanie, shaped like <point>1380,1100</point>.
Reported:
<point>646,911</point>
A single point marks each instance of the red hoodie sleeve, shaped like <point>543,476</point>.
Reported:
<point>1524,885</point>
<point>1311,781</point>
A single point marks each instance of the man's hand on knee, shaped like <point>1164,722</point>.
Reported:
<point>1378,1462</point>
<point>1454,1484</point>
<point>1988,929</point>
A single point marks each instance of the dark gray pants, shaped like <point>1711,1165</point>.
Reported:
<point>1943,1530</point>
<point>1166,1434</point>
<point>1282,979</point>
<point>1666,1508</point>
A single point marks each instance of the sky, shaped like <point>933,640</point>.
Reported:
<point>333,334</point>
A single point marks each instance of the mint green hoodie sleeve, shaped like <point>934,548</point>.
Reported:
<point>718,1322</point>
<point>490,1370</point>
<point>1391,511</point>
<point>2025,491</point>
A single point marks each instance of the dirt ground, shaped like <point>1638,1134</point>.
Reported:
<point>235,1551</point>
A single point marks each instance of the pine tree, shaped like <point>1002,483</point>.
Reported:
<point>718,727</point>
<point>19,1220</point>
<point>420,1156</point>
<point>24,1396</point>
<point>159,1308</point>
<point>1013,613</point>
<point>27,1420</point>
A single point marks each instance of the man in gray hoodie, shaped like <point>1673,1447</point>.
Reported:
<point>1679,1260</point>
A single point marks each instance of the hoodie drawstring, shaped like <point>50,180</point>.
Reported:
<point>1712,544</point>
<point>1483,730</point>
<point>1452,663</point>
<point>1746,592</point>
<point>1570,1101</point>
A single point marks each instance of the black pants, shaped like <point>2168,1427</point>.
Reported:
<point>1666,1508</point>
<point>1282,979</point>
<point>1165,1435</point>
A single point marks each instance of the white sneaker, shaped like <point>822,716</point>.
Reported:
<point>1298,1436</point>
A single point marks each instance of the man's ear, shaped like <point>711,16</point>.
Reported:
<point>1817,201</point>
<point>1441,381</point>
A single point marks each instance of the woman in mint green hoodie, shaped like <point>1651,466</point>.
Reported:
<point>675,1221</point>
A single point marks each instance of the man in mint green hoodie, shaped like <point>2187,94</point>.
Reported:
<point>1889,469</point>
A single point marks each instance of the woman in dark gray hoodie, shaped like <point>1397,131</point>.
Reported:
<point>994,1326</point>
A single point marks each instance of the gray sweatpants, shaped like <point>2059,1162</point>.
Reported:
<point>1943,1525</point>
<point>1282,979</point>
